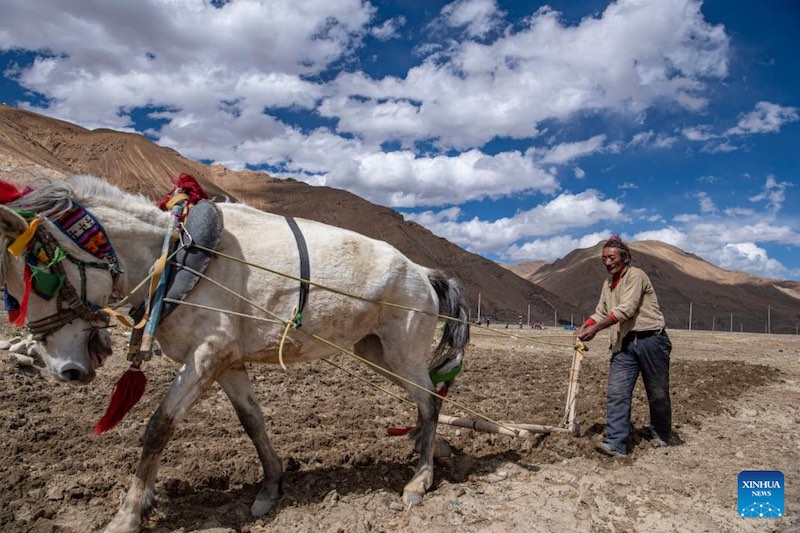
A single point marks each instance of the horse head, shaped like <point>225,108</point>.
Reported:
<point>41,269</point>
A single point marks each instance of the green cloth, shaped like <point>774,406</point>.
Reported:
<point>449,376</point>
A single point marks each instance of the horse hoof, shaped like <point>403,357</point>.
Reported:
<point>410,499</point>
<point>441,449</point>
<point>264,502</point>
<point>262,507</point>
<point>122,524</point>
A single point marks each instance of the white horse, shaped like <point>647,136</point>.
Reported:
<point>212,346</point>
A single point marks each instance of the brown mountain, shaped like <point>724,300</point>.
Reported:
<point>32,145</point>
<point>524,269</point>
<point>720,299</point>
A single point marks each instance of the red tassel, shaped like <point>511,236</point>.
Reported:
<point>189,185</point>
<point>9,192</point>
<point>19,319</point>
<point>128,390</point>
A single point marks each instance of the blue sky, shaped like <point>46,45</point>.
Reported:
<point>518,130</point>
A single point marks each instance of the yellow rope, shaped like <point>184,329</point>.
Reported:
<point>580,348</point>
<point>368,382</point>
<point>126,298</point>
<point>408,381</point>
<point>224,311</point>
<point>289,324</point>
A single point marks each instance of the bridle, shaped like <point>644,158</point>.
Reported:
<point>70,305</point>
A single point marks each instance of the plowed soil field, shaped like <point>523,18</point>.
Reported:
<point>736,406</point>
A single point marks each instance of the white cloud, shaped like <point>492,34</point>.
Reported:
<point>698,133</point>
<point>566,152</point>
<point>389,29</point>
<point>579,173</point>
<point>732,243</point>
<point>430,218</point>
<point>628,185</point>
<point>553,248</point>
<point>774,193</point>
<point>478,17</point>
<point>737,255</point>
<point>716,147</point>
<point>670,235</point>
<point>565,212</point>
<point>706,203</point>
<point>400,178</point>
<point>765,118</point>
<point>664,141</point>
<point>651,138</point>
<point>211,73</point>
<point>634,54</point>
<point>188,56</point>
<point>748,257</point>
<point>739,212</point>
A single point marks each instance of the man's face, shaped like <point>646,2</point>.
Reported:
<point>612,259</point>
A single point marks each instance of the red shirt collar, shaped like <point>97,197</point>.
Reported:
<point>614,281</point>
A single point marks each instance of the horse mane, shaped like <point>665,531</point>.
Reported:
<point>50,197</point>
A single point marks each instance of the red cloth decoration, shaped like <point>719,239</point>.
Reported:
<point>399,432</point>
<point>188,185</point>
<point>589,322</point>
<point>9,192</point>
<point>19,319</point>
<point>128,390</point>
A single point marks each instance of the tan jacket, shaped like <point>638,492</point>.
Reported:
<point>633,302</point>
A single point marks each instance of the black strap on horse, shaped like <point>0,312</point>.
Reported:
<point>305,268</point>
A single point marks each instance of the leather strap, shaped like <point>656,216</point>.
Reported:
<point>305,267</point>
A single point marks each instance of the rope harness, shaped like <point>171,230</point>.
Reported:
<point>70,305</point>
<point>39,246</point>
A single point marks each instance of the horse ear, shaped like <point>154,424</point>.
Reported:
<point>11,223</point>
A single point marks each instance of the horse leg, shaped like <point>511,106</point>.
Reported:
<point>187,387</point>
<point>413,369</point>
<point>239,388</point>
<point>427,418</point>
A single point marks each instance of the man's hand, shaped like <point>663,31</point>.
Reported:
<point>587,333</point>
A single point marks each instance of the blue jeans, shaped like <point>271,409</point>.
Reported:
<point>650,356</point>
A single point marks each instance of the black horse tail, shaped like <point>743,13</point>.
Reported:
<point>446,359</point>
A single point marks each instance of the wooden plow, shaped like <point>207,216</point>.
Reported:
<point>515,429</point>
